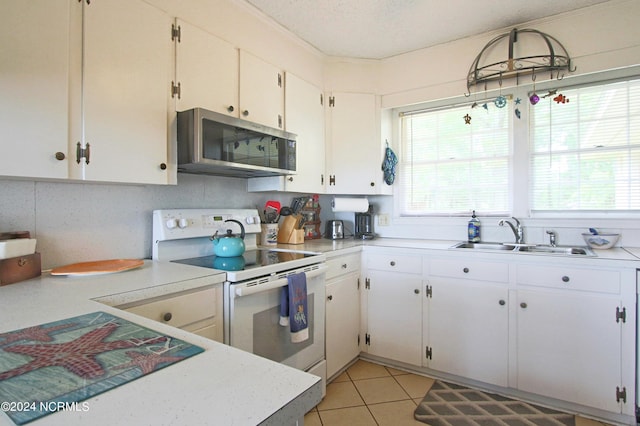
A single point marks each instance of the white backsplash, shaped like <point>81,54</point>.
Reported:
<point>76,222</point>
<point>568,231</point>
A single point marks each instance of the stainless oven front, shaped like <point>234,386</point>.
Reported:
<point>252,314</point>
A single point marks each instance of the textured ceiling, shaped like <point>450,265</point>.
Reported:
<point>377,29</point>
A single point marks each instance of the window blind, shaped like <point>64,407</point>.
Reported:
<point>447,167</point>
<point>585,153</point>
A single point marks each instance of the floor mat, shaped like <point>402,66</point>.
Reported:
<point>447,404</point>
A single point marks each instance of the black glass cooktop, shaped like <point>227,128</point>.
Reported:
<point>249,260</point>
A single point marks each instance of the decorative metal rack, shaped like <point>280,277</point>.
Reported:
<point>556,59</point>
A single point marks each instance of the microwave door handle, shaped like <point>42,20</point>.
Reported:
<point>247,291</point>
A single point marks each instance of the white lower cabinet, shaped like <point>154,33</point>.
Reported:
<point>393,293</point>
<point>198,311</point>
<point>342,310</point>
<point>560,330</point>
<point>466,319</point>
<point>570,334</point>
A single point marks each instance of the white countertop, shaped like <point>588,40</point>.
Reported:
<point>327,246</point>
<point>221,385</point>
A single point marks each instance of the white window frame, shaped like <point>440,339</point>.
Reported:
<point>519,173</point>
<point>474,111</point>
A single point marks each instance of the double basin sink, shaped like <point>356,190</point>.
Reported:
<point>526,248</point>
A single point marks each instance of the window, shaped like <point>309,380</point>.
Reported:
<point>585,153</point>
<point>447,167</point>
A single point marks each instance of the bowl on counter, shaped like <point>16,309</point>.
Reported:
<point>601,241</point>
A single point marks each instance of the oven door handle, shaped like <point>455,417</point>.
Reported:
<point>247,291</point>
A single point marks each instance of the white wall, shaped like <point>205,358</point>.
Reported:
<point>601,37</point>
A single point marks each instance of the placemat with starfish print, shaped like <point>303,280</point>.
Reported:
<point>57,365</point>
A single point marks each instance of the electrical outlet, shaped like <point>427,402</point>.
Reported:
<point>383,219</point>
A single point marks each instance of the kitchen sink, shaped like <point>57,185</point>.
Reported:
<point>526,248</point>
<point>583,251</point>
<point>483,246</point>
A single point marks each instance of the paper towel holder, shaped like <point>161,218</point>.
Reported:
<point>357,205</point>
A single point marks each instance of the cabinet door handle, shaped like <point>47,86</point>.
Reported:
<point>565,279</point>
<point>392,263</point>
<point>523,305</point>
<point>502,302</point>
<point>167,317</point>
<point>465,270</point>
<point>230,108</point>
<point>344,266</point>
<point>245,112</point>
<point>163,166</point>
<point>330,297</point>
<point>60,156</point>
<point>416,291</point>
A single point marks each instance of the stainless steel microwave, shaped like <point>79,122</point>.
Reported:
<point>217,144</point>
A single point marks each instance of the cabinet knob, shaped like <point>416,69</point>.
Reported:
<point>167,316</point>
<point>465,270</point>
<point>344,266</point>
<point>245,112</point>
<point>565,279</point>
<point>163,166</point>
<point>60,156</point>
<point>416,291</point>
<point>372,184</point>
<point>230,108</point>
<point>523,305</point>
<point>290,179</point>
<point>330,297</point>
<point>392,263</point>
<point>502,302</point>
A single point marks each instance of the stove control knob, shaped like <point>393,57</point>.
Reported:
<point>183,223</point>
<point>172,223</point>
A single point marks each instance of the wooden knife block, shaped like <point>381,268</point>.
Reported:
<point>288,233</point>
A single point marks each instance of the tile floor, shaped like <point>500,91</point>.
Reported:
<point>372,394</point>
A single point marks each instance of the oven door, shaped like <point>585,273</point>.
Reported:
<point>252,319</point>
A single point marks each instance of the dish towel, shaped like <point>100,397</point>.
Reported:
<point>293,307</point>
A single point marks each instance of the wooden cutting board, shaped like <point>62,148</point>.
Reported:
<point>98,267</point>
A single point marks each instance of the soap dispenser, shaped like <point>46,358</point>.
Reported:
<point>474,228</point>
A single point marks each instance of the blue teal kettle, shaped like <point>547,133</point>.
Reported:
<point>229,245</point>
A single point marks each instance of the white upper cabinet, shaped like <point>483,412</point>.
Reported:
<point>34,83</point>
<point>85,79</point>
<point>354,148</point>
<point>206,71</point>
<point>127,63</point>
<point>304,116</point>
<point>261,91</point>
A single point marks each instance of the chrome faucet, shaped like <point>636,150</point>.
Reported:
<point>552,238</point>
<point>518,232</point>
